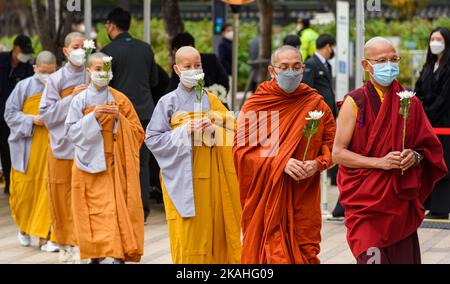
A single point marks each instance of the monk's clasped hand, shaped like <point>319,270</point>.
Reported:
<point>408,159</point>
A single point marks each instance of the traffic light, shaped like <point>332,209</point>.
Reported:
<point>219,15</point>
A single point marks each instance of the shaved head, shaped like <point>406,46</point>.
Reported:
<point>45,57</point>
<point>378,45</point>
<point>186,53</point>
<point>283,51</point>
<point>72,36</point>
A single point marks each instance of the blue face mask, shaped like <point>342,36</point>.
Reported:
<point>289,80</point>
<point>385,73</point>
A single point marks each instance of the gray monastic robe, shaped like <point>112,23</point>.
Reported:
<point>54,109</point>
<point>85,132</point>
<point>20,124</point>
<point>172,148</point>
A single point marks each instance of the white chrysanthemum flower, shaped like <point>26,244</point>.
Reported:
<point>219,91</point>
<point>200,76</point>
<point>406,95</point>
<point>89,44</point>
<point>107,59</point>
<point>315,115</point>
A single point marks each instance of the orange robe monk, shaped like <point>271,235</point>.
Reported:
<point>281,218</point>
<point>107,207</point>
<point>53,109</point>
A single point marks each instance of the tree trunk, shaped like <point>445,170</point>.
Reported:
<point>265,26</point>
<point>172,18</point>
<point>51,37</point>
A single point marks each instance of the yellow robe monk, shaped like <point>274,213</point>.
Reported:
<point>281,218</point>
<point>28,194</point>
<point>199,182</point>
<point>106,198</point>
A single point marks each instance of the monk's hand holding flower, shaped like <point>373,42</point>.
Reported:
<point>295,169</point>
<point>391,161</point>
<point>105,109</point>
<point>310,167</point>
<point>408,159</point>
<point>37,120</point>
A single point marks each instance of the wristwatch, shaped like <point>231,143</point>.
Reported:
<point>419,158</point>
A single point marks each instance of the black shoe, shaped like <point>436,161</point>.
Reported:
<point>95,260</point>
<point>437,216</point>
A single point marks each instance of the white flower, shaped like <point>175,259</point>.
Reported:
<point>406,95</point>
<point>89,44</point>
<point>199,77</point>
<point>219,91</point>
<point>107,59</point>
<point>315,115</point>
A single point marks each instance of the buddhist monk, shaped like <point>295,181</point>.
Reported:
<point>382,184</point>
<point>107,208</point>
<point>61,88</point>
<point>28,142</point>
<point>279,178</point>
<point>191,136</point>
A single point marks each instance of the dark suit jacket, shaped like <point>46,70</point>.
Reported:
<point>135,72</point>
<point>214,73</point>
<point>317,76</point>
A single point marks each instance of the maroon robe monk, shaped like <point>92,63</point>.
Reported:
<point>383,208</point>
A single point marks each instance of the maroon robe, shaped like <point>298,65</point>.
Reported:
<point>382,207</point>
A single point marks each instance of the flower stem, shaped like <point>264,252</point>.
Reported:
<point>404,136</point>
<point>307,147</point>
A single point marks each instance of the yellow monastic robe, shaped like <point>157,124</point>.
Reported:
<point>29,199</point>
<point>59,174</point>
<point>108,213</point>
<point>213,235</point>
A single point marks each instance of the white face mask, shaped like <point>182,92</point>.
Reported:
<point>437,47</point>
<point>42,77</point>
<point>229,35</point>
<point>76,56</point>
<point>101,78</point>
<point>23,58</point>
<point>189,77</point>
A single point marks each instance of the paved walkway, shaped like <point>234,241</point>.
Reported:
<point>435,243</point>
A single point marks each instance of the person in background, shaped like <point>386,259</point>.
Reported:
<point>14,66</point>
<point>226,48</point>
<point>292,40</point>
<point>308,39</point>
<point>213,69</point>
<point>433,89</point>
<point>135,73</point>
<point>253,55</point>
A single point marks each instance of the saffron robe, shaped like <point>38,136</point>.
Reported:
<point>28,143</point>
<point>281,219</point>
<point>53,109</point>
<point>204,215</point>
<point>106,197</point>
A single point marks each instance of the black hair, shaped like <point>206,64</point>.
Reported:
<point>182,39</point>
<point>428,68</point>
<point>224,27</point>
<point>292,40</point>
<point>121,18</point>
<point>324,40</point>
<point>306,23</point>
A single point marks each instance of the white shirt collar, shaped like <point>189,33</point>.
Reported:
<point>322,59</point>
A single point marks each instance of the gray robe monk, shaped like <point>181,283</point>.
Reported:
<point>20,124</point>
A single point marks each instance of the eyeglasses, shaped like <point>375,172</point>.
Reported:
<point>295,68</point>
<point>385,60</point>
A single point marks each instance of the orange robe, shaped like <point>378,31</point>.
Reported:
<point>59,174</point>
<point>281,219</point>
<point>108,213</point>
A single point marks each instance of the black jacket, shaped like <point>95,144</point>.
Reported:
<point>135,72</point>
<point>226,54</point>
<point>10,77</point>
<point>319,77</point>
<point>214,73</point>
